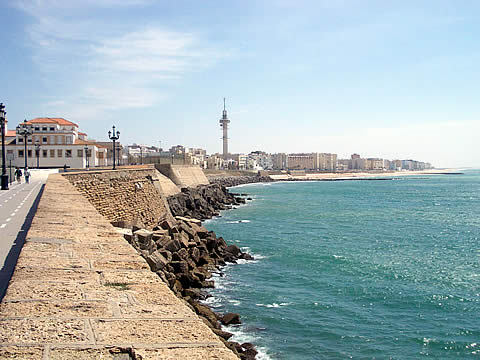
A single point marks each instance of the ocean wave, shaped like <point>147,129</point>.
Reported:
<point>237,221</point>
<point>274,305</point>
<point>241,336</point>
<point>234,302</point>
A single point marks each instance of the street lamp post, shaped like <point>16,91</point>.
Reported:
<point>141,155</point>
<point>114,136</point>
<point>87,161</point>
<point>25,130</point>
<point>4,159</point>
<point>37,153</point>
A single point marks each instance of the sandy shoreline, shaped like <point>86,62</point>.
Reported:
<point>361,175</point>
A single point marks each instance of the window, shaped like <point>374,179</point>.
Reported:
<point>20,140</point>
<point>100,155</point>
<point>29,153</point>
<point>52,128</point>
<point>69,139</point>
<point>59,139</point>
<point>44,153</point>
<point>44,140</point>
<point>79,153</point>
<point>29,140</point>
<point>52,140</point>
<point>68,153</point>
<point>20,153</point>
<point>37,128</point>
<point>59,153</point>
<point>52,153</point>
<point>44,128</point>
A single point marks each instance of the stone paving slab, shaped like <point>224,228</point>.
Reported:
<point>80,291</point>
<point>40,290</point>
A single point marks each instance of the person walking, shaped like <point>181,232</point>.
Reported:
<point>27,175</point>
<point>18,174</point>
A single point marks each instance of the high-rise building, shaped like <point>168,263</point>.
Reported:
<point>224,121</point>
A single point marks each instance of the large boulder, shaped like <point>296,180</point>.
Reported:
<point>172,245</point>
<point>230,318</point>
<point>144,238</point>
<point>234,250</point>
<point>207,313</point>
<point>156,261</point>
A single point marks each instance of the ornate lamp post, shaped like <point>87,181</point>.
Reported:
<point>25,130</point>
<point>4,159</point>
<point>87,161</point>
<point>114,136</point>
<point>37,153</point>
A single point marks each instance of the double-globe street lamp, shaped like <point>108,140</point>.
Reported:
<point>4,180</point>
<point>37,153</point>
<point>114,136</point>
<point>25,130</point>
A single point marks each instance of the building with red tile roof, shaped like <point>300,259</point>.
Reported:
<point>54,142</point>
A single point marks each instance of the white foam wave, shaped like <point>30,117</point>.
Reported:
<point>274,305</point>
<point>240,336</point>
<point>234,302</point>
<point>243,261</point>
<point>238,221</point>
<point>339,257</point>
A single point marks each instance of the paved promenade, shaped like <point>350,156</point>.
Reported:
<point>17,208</point>
<point>80,291</point>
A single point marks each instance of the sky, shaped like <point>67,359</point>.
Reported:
<point>390,79</point>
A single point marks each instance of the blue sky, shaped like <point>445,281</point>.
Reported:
<point>393,79</point>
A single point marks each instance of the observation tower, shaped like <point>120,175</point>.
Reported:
<point>224,121</point>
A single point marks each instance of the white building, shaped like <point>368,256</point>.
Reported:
<point>60,143</point>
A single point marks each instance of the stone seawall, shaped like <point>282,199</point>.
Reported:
<point>124,195</point>
<point>80,291</point>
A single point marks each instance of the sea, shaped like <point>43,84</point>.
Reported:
<point>377,269</point>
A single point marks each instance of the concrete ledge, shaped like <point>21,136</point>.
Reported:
<point>183,175</point>
<point>80,291</point>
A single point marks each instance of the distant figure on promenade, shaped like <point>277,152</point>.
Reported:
<point>65,168</point>
<point>18,174</point>
<point>27,175</point>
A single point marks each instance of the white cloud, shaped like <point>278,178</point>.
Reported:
<point>103,63</point>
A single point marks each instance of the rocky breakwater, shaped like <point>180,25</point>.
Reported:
<point>184,254</point>
<point>203,202</point>
<point>229,181</point>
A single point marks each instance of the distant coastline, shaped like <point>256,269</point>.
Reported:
<point>360,175</point>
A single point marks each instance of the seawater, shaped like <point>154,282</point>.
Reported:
<point>356,269</point>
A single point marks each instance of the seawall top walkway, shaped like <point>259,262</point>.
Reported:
<point>80,291</point>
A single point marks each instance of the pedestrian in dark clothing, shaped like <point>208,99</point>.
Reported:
<point>18,174</point>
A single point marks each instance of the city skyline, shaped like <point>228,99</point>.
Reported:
<point>385,80</point>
